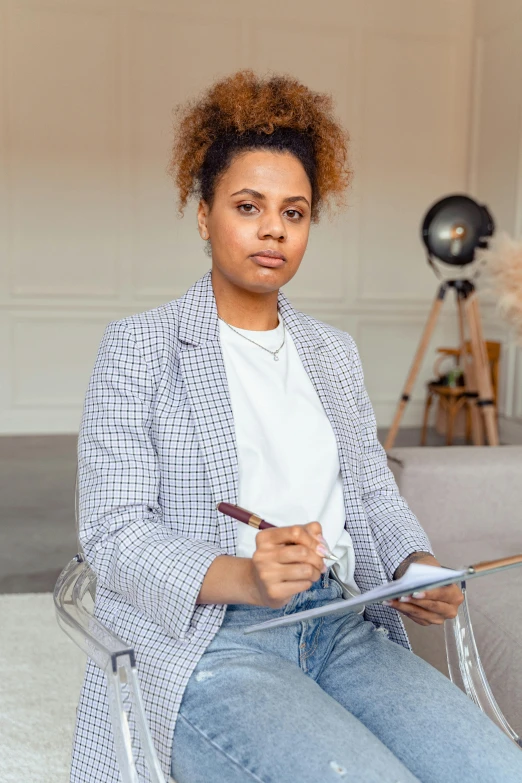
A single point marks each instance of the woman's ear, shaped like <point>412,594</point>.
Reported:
<point>202,219</point>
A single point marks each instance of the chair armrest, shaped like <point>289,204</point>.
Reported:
<point>74,600</point>
<point>466,670</point>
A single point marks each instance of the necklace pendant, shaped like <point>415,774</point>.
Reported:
<point>276,358</point>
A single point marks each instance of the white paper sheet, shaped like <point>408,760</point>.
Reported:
<point>417,576</point>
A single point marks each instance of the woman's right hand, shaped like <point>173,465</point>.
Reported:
<point>286,561</point>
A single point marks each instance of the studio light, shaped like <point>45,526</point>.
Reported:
<point>454,227</point>
<point>452,230</point>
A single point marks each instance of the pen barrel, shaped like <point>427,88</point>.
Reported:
<point>255,521</point>
<point>243,515</point>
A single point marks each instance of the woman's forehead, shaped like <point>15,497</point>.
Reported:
<point>268,170</point>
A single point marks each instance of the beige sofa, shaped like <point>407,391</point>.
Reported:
<point>469,501</point>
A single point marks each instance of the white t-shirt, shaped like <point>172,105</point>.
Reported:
<point>289,469</point>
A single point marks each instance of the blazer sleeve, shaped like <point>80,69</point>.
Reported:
<point>395,528</point>
<point>121,525</point>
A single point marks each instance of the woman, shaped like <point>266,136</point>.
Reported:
<point>230,394</point>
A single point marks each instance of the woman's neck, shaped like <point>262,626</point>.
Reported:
<point>246,309</point>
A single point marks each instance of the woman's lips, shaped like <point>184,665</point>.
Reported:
<point>273,263</point>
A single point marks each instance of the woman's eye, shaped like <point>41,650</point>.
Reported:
<point>250,207</point>
<point>297,214</point>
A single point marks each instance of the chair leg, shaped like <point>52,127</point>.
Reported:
<point>451,410</point>
<point>427,407</point>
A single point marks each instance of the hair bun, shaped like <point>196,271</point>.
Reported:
<point>245,111</point>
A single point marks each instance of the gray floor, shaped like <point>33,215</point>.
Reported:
<point>37,527</point>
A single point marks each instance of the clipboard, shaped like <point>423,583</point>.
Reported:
<point>417,576</point>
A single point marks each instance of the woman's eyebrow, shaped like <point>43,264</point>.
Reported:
<point>256,194</point>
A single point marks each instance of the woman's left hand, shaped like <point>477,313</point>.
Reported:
<point>430,607</point>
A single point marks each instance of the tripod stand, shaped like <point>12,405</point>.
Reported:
<point>479,389</point>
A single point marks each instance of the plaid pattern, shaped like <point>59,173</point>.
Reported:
<point>156,453</point>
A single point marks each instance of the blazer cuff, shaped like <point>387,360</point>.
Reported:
<point>193,560</point>
<point>392,560</point>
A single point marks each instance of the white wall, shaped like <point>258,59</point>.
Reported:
<point>89,230</point>
<point>496,159</point>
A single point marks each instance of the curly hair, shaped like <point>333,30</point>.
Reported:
<point>244,112</point>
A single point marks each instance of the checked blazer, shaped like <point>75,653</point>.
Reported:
<point>156,452</point>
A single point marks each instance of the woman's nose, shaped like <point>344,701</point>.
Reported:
<point>272,225</point>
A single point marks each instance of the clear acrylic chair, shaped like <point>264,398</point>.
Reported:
<point>466,670</point>
<point>74,600</point>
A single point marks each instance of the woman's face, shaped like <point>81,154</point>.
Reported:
<point>262,202</point>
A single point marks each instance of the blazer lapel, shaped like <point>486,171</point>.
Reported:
<point>203,369</point>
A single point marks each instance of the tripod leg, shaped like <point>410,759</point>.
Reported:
<point>421,350</point>
<point>476,429</point>
<point>483,375</point>
<point>462,332</point>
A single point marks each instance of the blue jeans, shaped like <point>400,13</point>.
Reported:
<point>331,699</point>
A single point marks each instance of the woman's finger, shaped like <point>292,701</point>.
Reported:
<point>449,594</point>
<point>289,534</point>
<point>446,610</point>
<point>299,554</point>
<point>297,572</point>
<point>417,613</point>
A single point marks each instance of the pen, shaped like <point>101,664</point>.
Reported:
<point>249,518</point>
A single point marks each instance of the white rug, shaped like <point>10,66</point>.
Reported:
<point>41,672</point>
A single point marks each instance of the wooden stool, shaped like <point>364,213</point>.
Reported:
<point>451,400</point>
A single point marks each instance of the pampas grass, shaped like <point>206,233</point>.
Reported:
<point>503,277</point>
